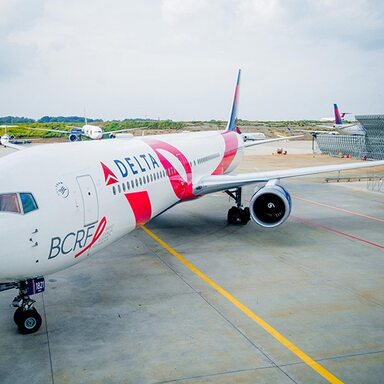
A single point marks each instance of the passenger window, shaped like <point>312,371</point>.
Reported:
<point>9,203</point>
<point>28,202</point>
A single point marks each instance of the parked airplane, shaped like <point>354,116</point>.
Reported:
<point>92,132</point>
<point>250,136</point>
<point>61,203</point>
<point>5,138</point>
<point>338,117</point>
<point>339,124</point>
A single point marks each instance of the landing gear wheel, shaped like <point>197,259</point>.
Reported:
<point>28,321</point>
<point>245,216</point>
<point>233,215</point>
<point>16,316</point>
<point>238,215</point>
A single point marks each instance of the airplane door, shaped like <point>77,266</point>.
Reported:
<point>89,196</point>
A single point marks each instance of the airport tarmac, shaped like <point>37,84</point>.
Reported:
<point>301,303</point>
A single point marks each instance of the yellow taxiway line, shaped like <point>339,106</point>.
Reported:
<point>257,319</point>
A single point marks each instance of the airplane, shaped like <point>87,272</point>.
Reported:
<point>338,123</point>
<point>89,131</point>
<point>5,139</point>
<point>61,203</point>
<point>249,136</point>
<point>338,117</point>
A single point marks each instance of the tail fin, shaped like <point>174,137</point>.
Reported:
<point>337,115</point>
<point>231,126</point>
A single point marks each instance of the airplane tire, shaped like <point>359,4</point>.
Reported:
<point>245,216</point>
<point>238,216</point>
<point>28,321</point>
<point>16,316</point>
<point>233,215</point>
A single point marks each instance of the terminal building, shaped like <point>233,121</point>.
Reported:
<point>367,146</point>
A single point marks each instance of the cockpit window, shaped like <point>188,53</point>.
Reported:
<point>9,203</point>
<point>28,202</point>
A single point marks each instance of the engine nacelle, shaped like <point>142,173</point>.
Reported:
<point>112,136</point>
<point>271,205</point>
<point>73,137</point>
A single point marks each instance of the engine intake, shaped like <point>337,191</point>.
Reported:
<point>73,137</point>
<point>270,206</point>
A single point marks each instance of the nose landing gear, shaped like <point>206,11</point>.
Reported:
<point>26,316</point>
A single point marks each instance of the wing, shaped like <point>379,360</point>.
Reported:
<point>210,184</point>
<point>336,126</point>
<point>13,146</point>
<point>123,130</point>
<point>347,126</point>
<point>258,142</point>
<point>112,134</point>
<point>326,126</point>
<point>107,133</point>
<point>49,130</point>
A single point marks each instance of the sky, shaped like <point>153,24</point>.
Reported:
<point>178,59</point>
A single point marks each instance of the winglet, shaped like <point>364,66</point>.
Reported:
<point>231,126</point>
<point>338,120</point>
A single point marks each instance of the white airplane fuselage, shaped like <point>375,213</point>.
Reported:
<point>92,131</point>
<point>90,194</point>
<point>355,129</point>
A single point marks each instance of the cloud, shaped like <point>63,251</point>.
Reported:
<point>17,16</point>
<point>180,11</point>
<point>178,58</point>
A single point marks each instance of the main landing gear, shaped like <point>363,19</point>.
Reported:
<point>237,214</point>
<point>26,317</point>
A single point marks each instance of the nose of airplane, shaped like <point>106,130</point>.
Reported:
<point>12,246</point>
<point>99,134</point>
<point>4,140</point>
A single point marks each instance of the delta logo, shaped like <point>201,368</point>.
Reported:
<point>130,165</point>
<point>109,176</point>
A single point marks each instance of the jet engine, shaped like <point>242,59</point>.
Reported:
<point>73,137</point>
<point>271,205</point>
<point>112,136</point>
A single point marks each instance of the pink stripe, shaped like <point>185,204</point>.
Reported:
<point>99,231</point>
<point>231,148</point>
<point>183,189</point>
<point>337,231</point>
<point>141,206</point>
